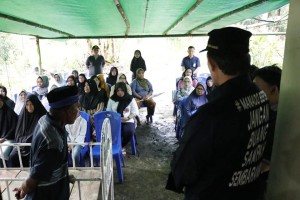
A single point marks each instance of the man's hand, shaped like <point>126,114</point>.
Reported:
<point>2,140</point>
<point>19,193</point>
<point>72,178</point>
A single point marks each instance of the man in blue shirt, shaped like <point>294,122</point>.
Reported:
<point>190,62</point>
<point>49,178</point>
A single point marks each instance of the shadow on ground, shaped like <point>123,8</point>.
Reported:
<point>145,175</point>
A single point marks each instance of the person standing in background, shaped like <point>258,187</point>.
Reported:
<point>136,63</point>
<point>191,62</point>
<point>268,80</point>
<point>95,62</point>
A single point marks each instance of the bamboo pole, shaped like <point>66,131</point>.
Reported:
<point>39,56</point>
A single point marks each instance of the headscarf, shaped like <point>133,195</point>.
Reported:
<point>42,91</point>
<point>28,121</point>
<point>45,81</point>
<point>61,81</point>
<point>112,89</point>
<point>74,79</point>
<point>201,99</point>
<point>183,74</point>
<point>75,72</point>
<point>119,75</point>
<point>112,79</point>
<point>90,101</point>
<point>81,85</point>
<point>143,82</point>
<point>19,103</point>
<point>123,101</point>
<point>7,100</point>
<point>209,89</point>
<point>190,79</point>
<point>8,121</point>
<point>102,84</point>
<point>137,63</point>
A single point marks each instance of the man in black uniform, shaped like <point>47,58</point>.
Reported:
<point>222,147</point>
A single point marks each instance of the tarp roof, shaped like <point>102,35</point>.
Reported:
<point>126,18</point>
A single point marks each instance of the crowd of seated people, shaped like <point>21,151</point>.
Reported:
<point>27,121</point>
<point>189,96</point>
<point>19,119</point>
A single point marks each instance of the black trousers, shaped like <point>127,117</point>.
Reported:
<point>127,131</point>
<point>14,159</point>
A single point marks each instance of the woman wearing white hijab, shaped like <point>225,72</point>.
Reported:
<point>20,101</point>
<point>186,90</point>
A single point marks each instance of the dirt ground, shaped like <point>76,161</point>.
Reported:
<point>145,175</point>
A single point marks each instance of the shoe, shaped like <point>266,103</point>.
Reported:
<point>123,151</point>
<point>138,121</point>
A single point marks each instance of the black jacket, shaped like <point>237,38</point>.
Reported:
<point>220,153</point>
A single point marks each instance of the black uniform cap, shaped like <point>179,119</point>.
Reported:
<point>63,96</point>
<point>228,41</point>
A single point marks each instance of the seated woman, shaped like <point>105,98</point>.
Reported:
<point>124,104</point>
<point>92,101</point>
<point>28,119</point>
<point>41,90</point>
<point>121,78</point>
<point>58,80</point>
<point>196,99</point>
<point>186,90</point>
<point>71,81</point>
<point>8,101</point>
<point>75,74</point>
<point>112,76</point>
<point>77,132</point>
<point>20,101</point>
<point>142,90</point>
<point>103,85</point>
<point>81,83</point>
<point>8,123</point>
<point>189,73</point>
<point>209,84</point>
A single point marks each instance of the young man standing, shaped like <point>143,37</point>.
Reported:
<point>49,178</point>
<point>222,147</point>
<point>190,62</point>
<point>95,62</point>
<point>268,80</point>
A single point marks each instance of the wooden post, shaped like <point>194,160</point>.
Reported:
<point>39,55</point>
<point>284,180</point>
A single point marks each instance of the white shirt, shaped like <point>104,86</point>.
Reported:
<point>77,131</point>
<point>132,108</point>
